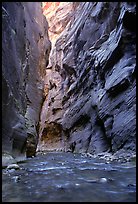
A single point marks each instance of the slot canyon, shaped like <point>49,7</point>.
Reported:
<point>69,101</point>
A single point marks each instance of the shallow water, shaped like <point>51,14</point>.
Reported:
<point>67,177</point>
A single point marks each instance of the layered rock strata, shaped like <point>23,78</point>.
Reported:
<point>90,84</point>
<point>25,53</point>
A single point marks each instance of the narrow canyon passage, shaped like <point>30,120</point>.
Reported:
<point>69,101</point>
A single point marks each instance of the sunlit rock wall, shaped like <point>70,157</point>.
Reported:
<point>90,84</point>
<point>25,52</point>
<point>59,16</point>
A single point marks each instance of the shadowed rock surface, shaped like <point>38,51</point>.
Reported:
<point>25,51</point>
<point>81,96</point>
<point>90,85</point>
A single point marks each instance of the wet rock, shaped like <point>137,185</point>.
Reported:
<point>131,185</point>
<point>13,166</point>
<point>103,180</point>
<point>7,160</point>
<point>16,179</point>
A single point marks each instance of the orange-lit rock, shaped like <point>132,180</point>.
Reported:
<point>58,14</point>
<point>46,5</point>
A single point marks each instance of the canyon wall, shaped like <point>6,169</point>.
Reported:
<point>81,95</point>
<point>25,54</point>
<point>90,83</point>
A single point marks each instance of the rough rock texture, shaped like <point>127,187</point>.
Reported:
<point>25,51</point>
<point>90,85</point>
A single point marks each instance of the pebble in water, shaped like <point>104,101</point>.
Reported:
<point>103,180</point>
<point>10,170</point>
<point>16,178</point>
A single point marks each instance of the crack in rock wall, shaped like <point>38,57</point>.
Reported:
<point>90,85</point>
<point>25,54</point>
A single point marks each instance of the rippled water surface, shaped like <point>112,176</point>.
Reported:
<point>67,177</point>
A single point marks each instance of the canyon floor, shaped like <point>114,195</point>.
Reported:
<point>68,177</point>
<point>69,102</point>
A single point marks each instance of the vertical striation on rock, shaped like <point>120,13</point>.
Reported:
<point>90,86</point>
<point>25,54</point>
<point>76,93</point>
<point>59,16</point>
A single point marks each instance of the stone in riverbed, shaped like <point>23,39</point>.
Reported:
<point>7,160</point>
<point>13,166</point>
<point>103,180</point>
<point>16,178</point>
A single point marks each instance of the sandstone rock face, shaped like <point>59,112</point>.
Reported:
<point>90,84</point>
<point>58,15</point>
<point>25,52</point>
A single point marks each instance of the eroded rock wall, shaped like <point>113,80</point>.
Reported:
<point>90,84</point>
<point>59,16</point>
<point>25,53</point>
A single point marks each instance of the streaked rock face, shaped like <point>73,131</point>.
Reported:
<point>25,52</point>
<point>58,15</point>
<point>81,96</point>
<point>90,85</point>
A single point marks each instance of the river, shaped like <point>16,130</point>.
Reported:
<point>68,177</point>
